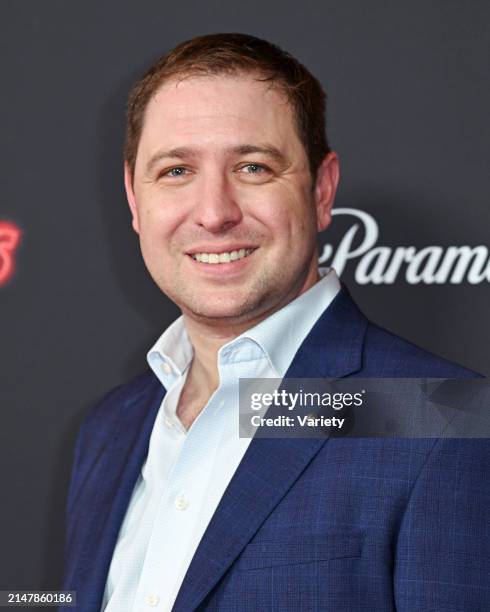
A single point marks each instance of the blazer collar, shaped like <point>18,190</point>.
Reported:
<point>334,346</point>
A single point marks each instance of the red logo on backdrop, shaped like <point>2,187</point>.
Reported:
<point>9,241</point>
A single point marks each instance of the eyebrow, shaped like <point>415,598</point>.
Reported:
<point>187,153</point>
<point>179,152</point>
<point>269,150</point>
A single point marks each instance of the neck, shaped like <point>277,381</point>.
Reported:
<point>203,377</point>
<point>206,340</point>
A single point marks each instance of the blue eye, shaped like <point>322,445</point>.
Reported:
<point>174,172</point>
<point>255,173</point>
<point>254,168</point>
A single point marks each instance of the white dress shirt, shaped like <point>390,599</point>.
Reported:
<point>187,472</point>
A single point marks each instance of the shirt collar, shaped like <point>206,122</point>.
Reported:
<point>278,337</point>
<point>171,354</point>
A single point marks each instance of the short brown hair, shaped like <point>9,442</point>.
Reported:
<point>229,54</point>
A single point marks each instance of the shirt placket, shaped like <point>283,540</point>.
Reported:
<point>178,514</point>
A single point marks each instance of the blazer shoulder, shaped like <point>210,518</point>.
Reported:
<point>398,357</point>
<point>108,408</point>
<point>105,417</point>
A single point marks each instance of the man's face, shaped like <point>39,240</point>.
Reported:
<point>223,201</point>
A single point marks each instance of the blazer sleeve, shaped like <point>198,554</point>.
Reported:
<point>442,559</point>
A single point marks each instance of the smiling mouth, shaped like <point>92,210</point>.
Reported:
<point>220,258</point>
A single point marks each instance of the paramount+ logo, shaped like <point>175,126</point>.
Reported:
<point>383,265</point>
<point>9,241</point>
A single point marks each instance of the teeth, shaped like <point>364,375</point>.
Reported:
<point>215,258</point>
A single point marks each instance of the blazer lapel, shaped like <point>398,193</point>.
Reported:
<point>114,479</point>
<point>333,348</point>
<point>270,467</point>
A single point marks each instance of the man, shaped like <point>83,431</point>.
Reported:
<point>229,178</point>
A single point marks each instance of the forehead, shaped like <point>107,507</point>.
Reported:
<point>218,110</point>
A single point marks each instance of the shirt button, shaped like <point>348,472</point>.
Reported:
<point>181,502</point>
<point>166,368</point>
<point>168,422</point>
<point>152,599</point>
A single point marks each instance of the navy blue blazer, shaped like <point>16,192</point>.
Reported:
<point>339,525</point>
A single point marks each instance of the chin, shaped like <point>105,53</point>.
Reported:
<point>216,313</point>
<point>222,309</point>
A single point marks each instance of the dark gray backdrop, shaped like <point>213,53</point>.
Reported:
<point>409,99</point>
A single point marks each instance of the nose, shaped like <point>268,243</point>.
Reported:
<point>216,208</point>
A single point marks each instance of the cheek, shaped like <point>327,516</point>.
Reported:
<point>159,218</point>
<point>290,220</point>
<point>271,205</point>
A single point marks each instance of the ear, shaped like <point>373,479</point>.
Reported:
<point>327,179</point>
<point>128,184</point>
